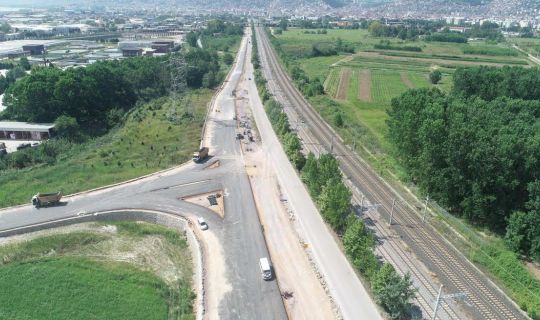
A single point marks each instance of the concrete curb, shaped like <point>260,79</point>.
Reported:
<point>166,219</point>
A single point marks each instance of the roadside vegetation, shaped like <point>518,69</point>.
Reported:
<point>84,274</point>
<point>114,120</point>
<point>474,132</point>
<point>324,182</point>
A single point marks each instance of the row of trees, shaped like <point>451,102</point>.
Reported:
<point>489,83</point>
<point>479,158</point>
<point>447,36</point>
<point>412,30</point>
<point>323,179</point>
<point>408,31</point>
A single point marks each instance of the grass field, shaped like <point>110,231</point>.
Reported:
<point>154,137</point>
<point>84,275</point>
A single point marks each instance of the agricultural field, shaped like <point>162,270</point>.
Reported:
<point>362,85</point>
<point>117,270</point>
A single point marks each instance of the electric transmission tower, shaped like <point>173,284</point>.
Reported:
<point>178,72</point>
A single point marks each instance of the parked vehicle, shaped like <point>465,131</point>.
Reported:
<point>201,154</point>
<point>23,146</point>
<point>41,199</point>
<point>202,223</point>
<point>266,269</point>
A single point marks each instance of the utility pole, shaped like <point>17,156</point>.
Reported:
<point>425,209</point>
<point>392,211</point>
<point>437,302</point>
<point>362,204</point>
<point>332,146</point>
<point>442,298</point>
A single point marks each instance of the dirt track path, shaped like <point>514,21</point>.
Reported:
<point>406,80</point>
<point>364,86</point>
<point>344,79</point>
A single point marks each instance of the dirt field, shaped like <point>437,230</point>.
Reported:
<point>406,80</point>
<point>344,80</point>
<point>364,86</point>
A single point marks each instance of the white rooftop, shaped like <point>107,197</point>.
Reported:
<point>25,126</point>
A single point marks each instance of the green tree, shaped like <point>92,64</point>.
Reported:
<point>376,29</point>
<point>435,76</point>
<point>359,243</point>
<point>283,24</point>
<point>335,203</point>
<point>191,39</point>
<point>338,120</point>
<point>23,62</point>
<point>392,291</point>
<point>68,128</point>
<point>228,58</point>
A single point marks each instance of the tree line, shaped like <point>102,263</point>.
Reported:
<point>434,31</point>
<point>477,149</point>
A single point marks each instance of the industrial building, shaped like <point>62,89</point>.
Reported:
<point>34,49</point>
<point>12,130</point>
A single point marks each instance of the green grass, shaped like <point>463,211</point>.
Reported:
<point>79,288</point>
<point>58,277</point>
<point>154,137</point>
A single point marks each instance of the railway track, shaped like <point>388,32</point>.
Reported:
<point>484,300</point>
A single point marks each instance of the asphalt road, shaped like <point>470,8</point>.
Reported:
<point>239,231</point>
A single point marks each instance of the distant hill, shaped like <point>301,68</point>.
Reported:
<point>519,9</point>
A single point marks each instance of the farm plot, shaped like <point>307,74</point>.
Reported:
<point>386,85</point>
<point>364,85</point>
<point>332,82</point>
<point>344,79</point>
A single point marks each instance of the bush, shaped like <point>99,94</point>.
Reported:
<point>435,76</point>
<point>359,243</point>
<point>392,291</point>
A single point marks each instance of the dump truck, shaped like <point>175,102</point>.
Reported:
<point>41,199</point>
<point>201,154</point>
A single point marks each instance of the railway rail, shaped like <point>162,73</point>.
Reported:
<point>484,299</point>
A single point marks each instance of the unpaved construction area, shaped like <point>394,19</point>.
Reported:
<point>364,86</point>
<point>303,294</point>
<point>344,79</point>
<point>405,78</point>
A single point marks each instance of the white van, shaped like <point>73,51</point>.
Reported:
<point>266,269</point>
<point>202,223</point>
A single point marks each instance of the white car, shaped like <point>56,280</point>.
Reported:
<point>202,223</point>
